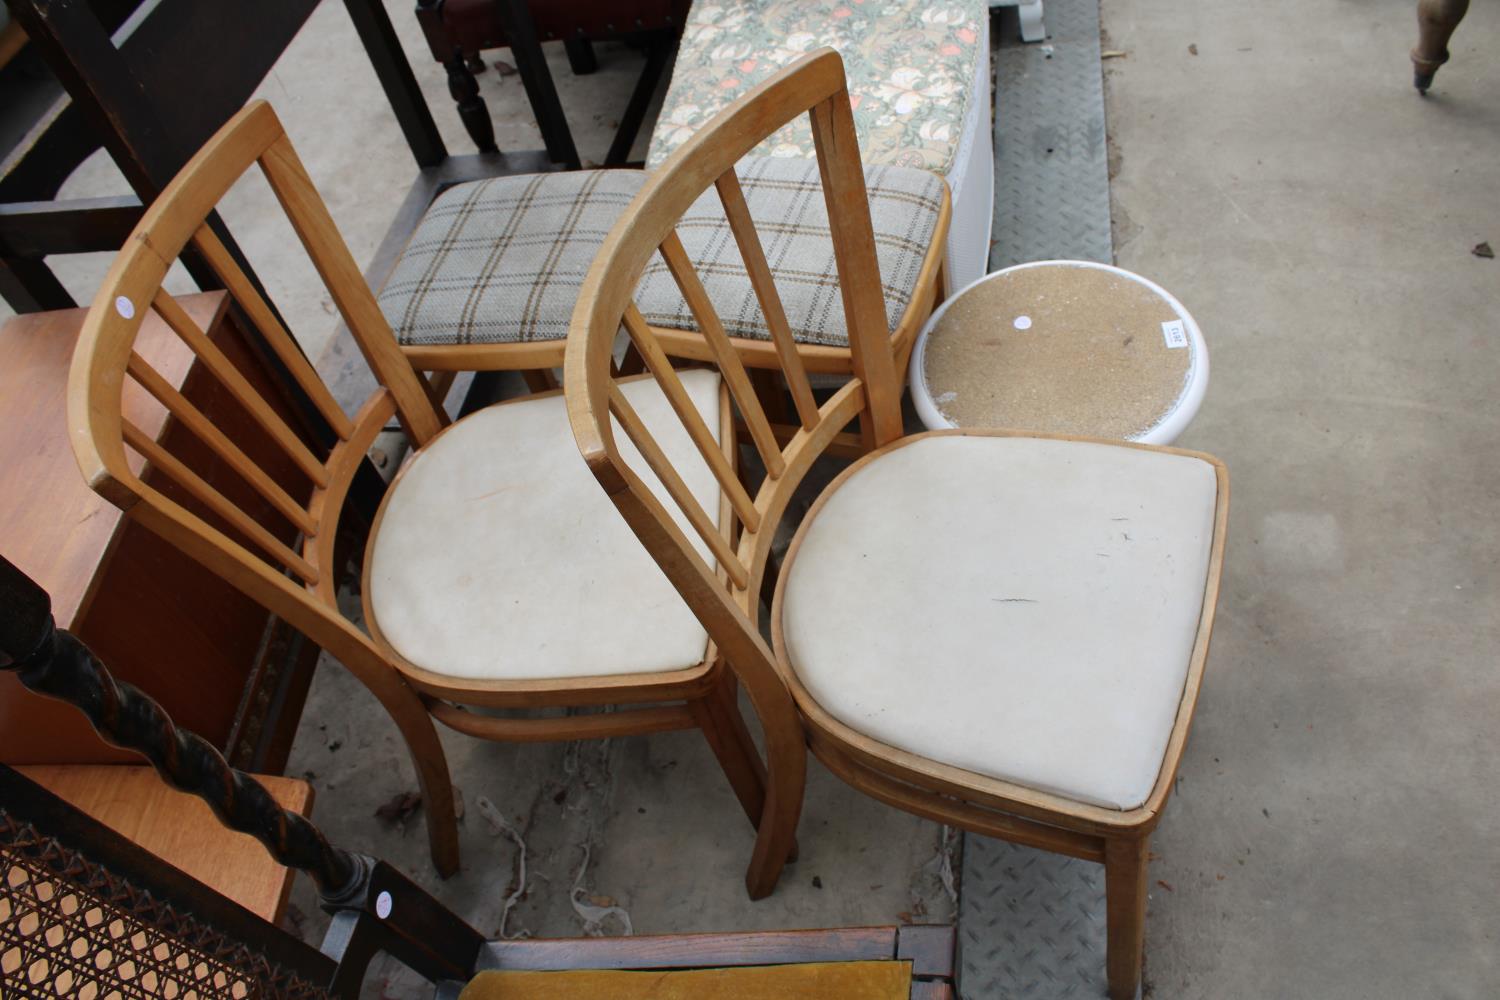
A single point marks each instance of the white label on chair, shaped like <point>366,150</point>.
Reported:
<point>1023,322</point>
<point>383,905</point>
<point>124,307</point>
<point>1175,333</point>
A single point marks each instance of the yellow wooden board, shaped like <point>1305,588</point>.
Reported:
<point>813,981</point>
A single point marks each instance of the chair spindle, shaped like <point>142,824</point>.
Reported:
<point>636,430</point>
<point>207,431</point>
<point>732,197</point>
<point>172,467</point>
<point>730,365</point>
<point>230,377</point>
<point>671,386</point>
<point>264,318</point>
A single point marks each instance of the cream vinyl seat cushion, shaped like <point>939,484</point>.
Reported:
<point>499,558</point>
<point>1021,608</point>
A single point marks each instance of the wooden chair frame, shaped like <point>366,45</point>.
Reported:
<point>300,585</point>
<point>1117,839</point>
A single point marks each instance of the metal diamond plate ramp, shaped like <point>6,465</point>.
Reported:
<point>1051,161</point>
<point>1030,924</point>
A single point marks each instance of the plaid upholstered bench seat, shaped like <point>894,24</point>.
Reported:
<point>500,261</point>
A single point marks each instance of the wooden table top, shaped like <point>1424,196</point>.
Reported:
<point>180,828</point>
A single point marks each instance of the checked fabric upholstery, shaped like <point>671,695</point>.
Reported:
<point>500,261</point>
<point>786,201</point>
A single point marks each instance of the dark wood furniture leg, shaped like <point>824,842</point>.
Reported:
<point>472,110</point>
<point>30,286</point>
<point>383,48</point>
<point>658,51</point>
<point>581,58</point>
<point>1436,21</point>
<point>531,63</point>
<point>461,67</point>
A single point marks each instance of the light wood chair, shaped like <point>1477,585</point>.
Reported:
<point>496,575</point>
<point>1000,631</point>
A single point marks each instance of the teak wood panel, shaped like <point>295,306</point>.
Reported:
<point>153,614</point>
<point>180,828</point>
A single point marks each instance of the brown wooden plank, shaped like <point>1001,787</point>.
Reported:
<point>165,462</point>
<point>276,335</point>
<point>692,421</point>
<point>213,359</point>
<point>685,951</point>
<point>180,828</point>
<point>53,527</point>
<point>731,367</point>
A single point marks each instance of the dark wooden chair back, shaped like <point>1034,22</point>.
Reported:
<point>123,64</point>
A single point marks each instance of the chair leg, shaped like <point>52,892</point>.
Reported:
<point>472,110</point>
<point>1125,868</point>
<point>540,380</point>
<point>724,727</point>
<point>581,58</point>
<point>437,795</point>
<point>1436,22</point>
<point>415,723</point>
<point>786,783</point>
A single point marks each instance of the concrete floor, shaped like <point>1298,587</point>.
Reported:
<point>1335,829</point>
<point>1336,832</point>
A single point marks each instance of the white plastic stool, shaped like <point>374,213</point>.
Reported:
<point>1061,346</point>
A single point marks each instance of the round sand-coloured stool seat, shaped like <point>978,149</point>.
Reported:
<point>1063,347</point>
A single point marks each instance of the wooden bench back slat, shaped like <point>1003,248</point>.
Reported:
<point>173,468</point>
<point>351,295</point>
<point>276,335</point>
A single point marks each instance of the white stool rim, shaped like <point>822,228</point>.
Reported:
<point>1164,431</point>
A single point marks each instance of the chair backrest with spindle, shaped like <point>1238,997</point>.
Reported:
<point>219,531</point>
<point>814,85</point>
